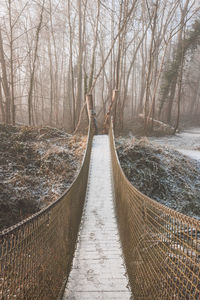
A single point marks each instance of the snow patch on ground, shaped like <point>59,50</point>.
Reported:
<point>194,154</point>
<point>186,142</point>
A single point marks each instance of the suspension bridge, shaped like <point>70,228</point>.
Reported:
<point>102,239</point>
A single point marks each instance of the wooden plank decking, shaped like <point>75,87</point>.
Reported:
<point>98,270</point>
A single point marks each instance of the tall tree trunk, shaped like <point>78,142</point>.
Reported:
<point>179,90</point>
<point>55,73</point>
<point>31,84</point>
<point>195,97</point>
<point>11,64</point>
<point>94,49</point>
<point>79,63</point>
<point>118,64</point>
<point>150,67</point>
<point>129,71</point>
<point>71,70</point>
<point>1,104</point>
<point>51,81</point>
<point>5,81</point>
<point>173,83</point>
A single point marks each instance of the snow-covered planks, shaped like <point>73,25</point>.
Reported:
<point>98,270</point>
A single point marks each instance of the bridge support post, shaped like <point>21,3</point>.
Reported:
<point>91,112</point>
<point>111,111</point>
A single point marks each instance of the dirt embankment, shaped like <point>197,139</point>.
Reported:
<point>162,174</point>
<point>36,166</point>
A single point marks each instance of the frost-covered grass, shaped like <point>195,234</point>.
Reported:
<point>162,173</point>
<point>36,166</point>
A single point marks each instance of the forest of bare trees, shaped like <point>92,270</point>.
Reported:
<point>55,52</point>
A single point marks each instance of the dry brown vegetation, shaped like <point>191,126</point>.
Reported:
<point>36,166</point>
<point>162,174</point>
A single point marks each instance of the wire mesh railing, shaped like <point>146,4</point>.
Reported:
<point>161,246</point>
<point>36,254</point>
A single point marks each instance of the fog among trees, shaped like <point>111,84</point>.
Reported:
<point>55,52</point>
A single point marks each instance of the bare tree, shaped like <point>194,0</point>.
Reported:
<point>31,84</point>
<point>5,81</point>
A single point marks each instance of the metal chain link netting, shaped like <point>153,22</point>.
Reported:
<point>161,246</point>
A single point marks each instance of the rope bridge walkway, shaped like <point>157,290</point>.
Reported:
<point>161,247</point>
<point>98,271</point>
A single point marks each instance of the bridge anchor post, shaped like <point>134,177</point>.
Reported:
<point>91,112</point>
